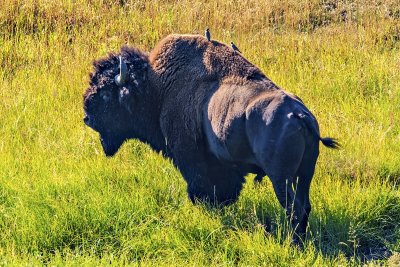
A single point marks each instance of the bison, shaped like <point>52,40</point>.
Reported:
<point>216,115</point>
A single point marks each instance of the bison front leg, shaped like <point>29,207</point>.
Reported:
<point>227,182</point>
<point>198,190</point>
<point>194,169</point>
<point>207,178</point>
<point>218,185</point>
<point>210,181</point>
<point>198,184</point>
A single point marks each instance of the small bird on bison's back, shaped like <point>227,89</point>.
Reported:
<point>235,48</point>
<point>208,35</point>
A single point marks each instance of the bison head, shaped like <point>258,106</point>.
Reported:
<point>109,102</point>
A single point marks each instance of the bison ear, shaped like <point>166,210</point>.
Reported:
<point>145,70</point>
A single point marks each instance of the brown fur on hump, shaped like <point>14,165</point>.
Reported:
<point>105,69</point>
<point>205,58</point>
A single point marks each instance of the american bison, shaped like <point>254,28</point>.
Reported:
<point>214,113</point>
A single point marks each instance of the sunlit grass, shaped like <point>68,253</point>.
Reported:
<point>63,203</point>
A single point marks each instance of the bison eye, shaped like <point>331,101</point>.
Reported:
<point>106,95</point>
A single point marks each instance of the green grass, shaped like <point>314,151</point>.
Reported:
<point>62,202</point>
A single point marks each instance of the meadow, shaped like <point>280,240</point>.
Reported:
<point>62,202</point>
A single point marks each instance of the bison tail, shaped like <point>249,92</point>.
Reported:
<point>326,141</point>
<point>330,142</point>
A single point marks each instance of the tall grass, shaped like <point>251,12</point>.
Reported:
<point>63,203</point>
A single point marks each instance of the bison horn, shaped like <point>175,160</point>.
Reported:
<point>120,79</point>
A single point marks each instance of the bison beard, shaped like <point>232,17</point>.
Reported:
<point>111,144</point>
<point>214,114</point>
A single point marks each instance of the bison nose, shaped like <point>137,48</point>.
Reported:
<point>86,120</point>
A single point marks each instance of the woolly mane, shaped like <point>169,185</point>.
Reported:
<point>105,69</point>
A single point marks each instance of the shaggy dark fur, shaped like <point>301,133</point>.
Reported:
<point>118,118</point>
<point>215,114</point>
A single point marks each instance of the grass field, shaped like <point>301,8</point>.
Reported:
<point>62,202</point>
